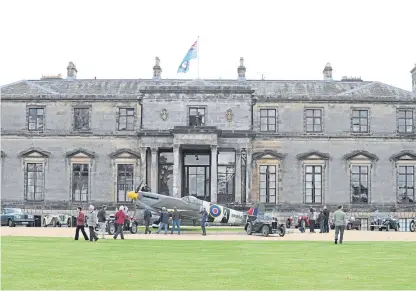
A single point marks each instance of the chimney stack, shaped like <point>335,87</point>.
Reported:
<point>327,72</point>
<point>241,70</point>
<point>71,71</point>
<point>157,70</point>
<point>413,72</point>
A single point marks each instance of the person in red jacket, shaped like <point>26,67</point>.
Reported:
<point>80,224</point>
<point>120,218</point>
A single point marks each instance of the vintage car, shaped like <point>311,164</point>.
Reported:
<point>352,223</point>
<point>303,221</point>
<point>293,219</point>
<point>56,220</point>
<point>130,224</point>
<point>381,222</point>
<point>265,226</point>
<point>15,216</point>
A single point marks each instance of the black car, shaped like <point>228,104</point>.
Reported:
<point>352,223</point>
<point>386,222</point>
<point>265,226</point>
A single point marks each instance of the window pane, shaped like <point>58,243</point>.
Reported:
<point>308,169</point>
<point>309,112</point>
<point>165,158</point>
<point>226,158</point>
<point>263,112</point>
<point>263,169</point>
<point>317,128</point>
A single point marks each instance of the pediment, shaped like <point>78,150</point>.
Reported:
<point>405,155</point>
<point>35,153</point>
<point>268,154</point>
<point>80,153</point>
<point>360,155</point>
<point>125,154</point>
<point>313,155</point>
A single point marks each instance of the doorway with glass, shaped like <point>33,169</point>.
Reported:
<point>197,174</point>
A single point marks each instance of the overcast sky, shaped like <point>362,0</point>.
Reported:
<point>282,40</point>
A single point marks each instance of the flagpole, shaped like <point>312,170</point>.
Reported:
<point>198,55</point>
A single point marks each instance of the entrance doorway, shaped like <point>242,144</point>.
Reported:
<point>197,175</point>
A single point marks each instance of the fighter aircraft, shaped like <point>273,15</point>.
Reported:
<point>188,206</point>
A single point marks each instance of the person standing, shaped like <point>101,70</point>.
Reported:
<point>102,220</point>
<point>120,217</point>
<point>321,221</point>
<point>164,220</point>
<point>80,224</point>
<point>312,219</point>
<point>92,223</point>
<point>340,219</point>
<point>326,219</point>
<point>147,217</point>
<point>204,218</point>
<point>176,220</point>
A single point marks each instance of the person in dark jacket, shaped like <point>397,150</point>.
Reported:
<point>321,220</point>
<point>176,220</point>
<point>146,218</point>
<point>101,215</point>
<point>164,220</point>
<point>120,218</point>
<point>80,224</point>
<point>326,220</point>
<point>204,217</point>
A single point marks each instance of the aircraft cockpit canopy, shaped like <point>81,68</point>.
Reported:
<point>192,200</point>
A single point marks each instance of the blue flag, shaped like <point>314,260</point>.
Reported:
<point>192,54</point>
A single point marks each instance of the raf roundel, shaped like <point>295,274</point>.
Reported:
<point>215,211</point>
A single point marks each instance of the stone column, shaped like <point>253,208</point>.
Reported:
<point>237,189</point>
<point>176,169</point>
<point>154,171</point>
<point>214,177</point>
<point>249,170</point>
<point>143,165</point>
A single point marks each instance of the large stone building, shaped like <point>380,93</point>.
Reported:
<point>287,143</point>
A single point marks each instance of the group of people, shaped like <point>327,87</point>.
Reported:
<point>93,219</point>
<point>176,220</point>
<point>340,219</point>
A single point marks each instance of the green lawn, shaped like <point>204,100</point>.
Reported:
<point>60,263</point>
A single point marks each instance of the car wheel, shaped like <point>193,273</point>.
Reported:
<point>282,231</point>
<point>10,223</point>
<point>412,226</point>
<point>111,229</point>
<point>249,229</point>
<point>265,230</point>
<point>133,229</point>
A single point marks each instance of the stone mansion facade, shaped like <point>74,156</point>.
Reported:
<point>69,141</point>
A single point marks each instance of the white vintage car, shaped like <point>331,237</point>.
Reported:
<point>56,220</point>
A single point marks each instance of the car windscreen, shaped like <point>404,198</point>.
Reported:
<point>13,210</point>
